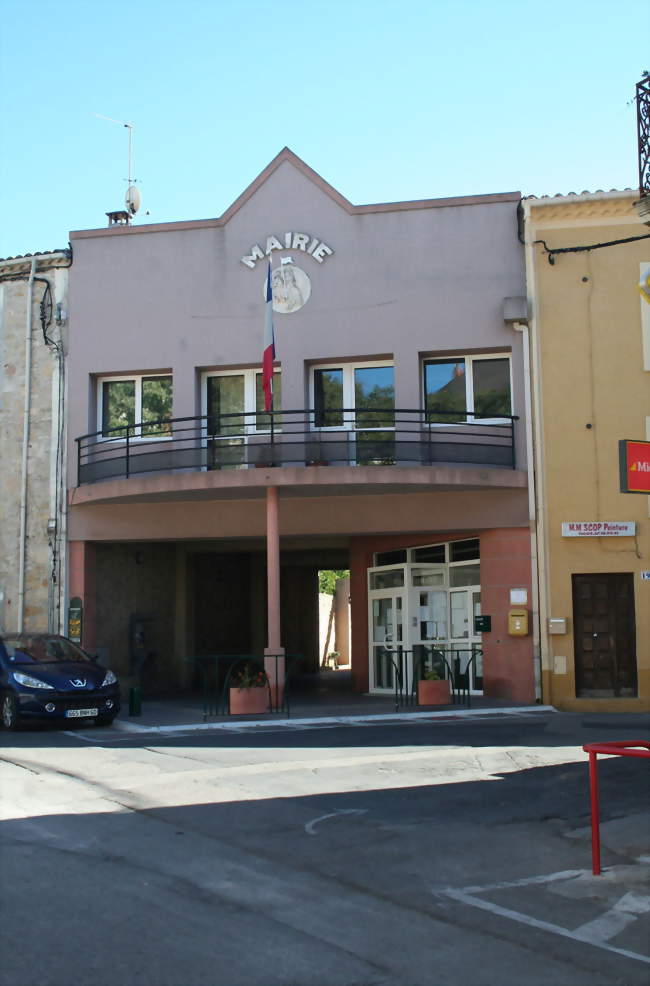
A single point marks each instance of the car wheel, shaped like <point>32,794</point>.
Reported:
<point>9,711</point>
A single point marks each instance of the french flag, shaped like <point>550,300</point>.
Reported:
<point>269,346</point>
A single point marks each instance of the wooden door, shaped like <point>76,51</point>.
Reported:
<point>604,635</point>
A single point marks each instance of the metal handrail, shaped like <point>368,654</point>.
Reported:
<point>418,668</point>
<point>459,680</point>
<point>407,696</point>
<point>399,674</point>
<point>215,702</point>
<point>376,436</point>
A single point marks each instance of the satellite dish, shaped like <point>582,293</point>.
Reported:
<point>132,199</point>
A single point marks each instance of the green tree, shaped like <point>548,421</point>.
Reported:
<point>327,579</point>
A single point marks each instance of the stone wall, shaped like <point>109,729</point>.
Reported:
<point>41,595</point>
<point>137,582</point>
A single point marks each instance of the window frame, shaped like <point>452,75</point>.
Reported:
<point>349,409</point>
<point>250,374</point>
<point>410,558</point>
<point>136,379</point>
<point>469,359</point>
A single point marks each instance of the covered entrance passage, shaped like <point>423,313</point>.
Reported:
<point>416,601</point>
<point>227,600</point>
<point>421,614</point>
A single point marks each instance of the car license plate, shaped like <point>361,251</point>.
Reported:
<point>78,713</point>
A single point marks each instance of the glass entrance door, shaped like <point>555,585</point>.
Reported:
<point>421,618</point>
<point>428,630</point>
<point>387,615</point>
<point>387,639</point>
<point>465,643</point>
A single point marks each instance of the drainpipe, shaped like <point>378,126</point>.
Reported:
<point>532,512</point>
<point>56,526</point>
<point>22,544</point>
<point>538,426</point>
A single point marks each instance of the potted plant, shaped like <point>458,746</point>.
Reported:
<point>249,691</point>
<point>333,659</point>
<point>433,690</point>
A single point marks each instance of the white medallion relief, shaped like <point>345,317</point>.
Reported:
<point>291,287</point>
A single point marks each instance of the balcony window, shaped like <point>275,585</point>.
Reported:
<point>467,389</point>
<point>328,398</point>
<point>359,398</point>
<point>234,403</point>
<point>145,401</point>
<point>355,397</point>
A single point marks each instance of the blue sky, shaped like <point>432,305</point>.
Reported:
<point>386,100</point>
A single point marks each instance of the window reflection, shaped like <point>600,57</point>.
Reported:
<point>328,398</point>
<point>445,391</point>
<point>374,397</point>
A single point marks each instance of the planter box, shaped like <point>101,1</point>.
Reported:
<point>248,701</point>
<point>434,692</point>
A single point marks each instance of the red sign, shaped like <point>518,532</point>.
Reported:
<point>634,461</point>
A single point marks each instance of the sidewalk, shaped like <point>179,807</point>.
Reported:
<point>187,713</point>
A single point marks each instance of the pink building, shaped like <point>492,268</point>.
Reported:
<point>396,447</point>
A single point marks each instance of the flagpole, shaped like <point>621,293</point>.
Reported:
<point>272,367</point>
<point>274,652</point>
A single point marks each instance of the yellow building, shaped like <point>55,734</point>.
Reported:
<point>590,372</point>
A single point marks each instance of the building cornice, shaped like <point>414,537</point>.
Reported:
<point>16,266</point>
<point>287,156</point>
<point>580,208</point>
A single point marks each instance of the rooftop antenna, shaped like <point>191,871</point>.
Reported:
<point>132,197</point>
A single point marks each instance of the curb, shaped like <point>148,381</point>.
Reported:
<point>132,727</point>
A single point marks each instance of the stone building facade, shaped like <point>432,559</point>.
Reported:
<point>33,317</point>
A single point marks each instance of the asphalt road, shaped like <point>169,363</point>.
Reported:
<point>371,855</point>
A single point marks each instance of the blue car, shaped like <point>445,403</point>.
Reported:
<point>44,677</point>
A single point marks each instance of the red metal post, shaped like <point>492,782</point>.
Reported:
<point>595,813</point>
<point>618,748</point>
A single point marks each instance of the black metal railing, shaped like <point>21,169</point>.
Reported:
<point>643,133</point>
<point>218,673</point>
<point>292,438</point>
<point>459,664</point>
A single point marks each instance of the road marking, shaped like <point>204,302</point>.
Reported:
<point>625,911</point>
<point>98,740</point>
<point>595,933</point>
<point>310,826</point>
<point>525,882</point>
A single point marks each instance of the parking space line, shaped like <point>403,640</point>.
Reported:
<point>595,933</point>
<point>625,911</point>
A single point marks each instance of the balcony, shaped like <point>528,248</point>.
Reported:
<point>226,442</point>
